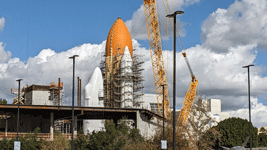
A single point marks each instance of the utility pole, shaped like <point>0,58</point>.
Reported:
<point>18,109</point>
<point>174,68</point>
<point>250,124</point>
<point>73,86</point>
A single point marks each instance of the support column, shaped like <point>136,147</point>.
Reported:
<point>6,128</point>
<point>51,125</point>
<point>136,119</point>
<point>75,125</point>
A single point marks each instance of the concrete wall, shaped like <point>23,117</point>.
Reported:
<point>41,98</point>
<point>38,98</point>
<point>28,97</point>
<point>147,127</point>
<point>148,98</point>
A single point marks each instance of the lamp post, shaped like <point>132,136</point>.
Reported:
<point>174,67</point>
<point>249,105</point>
<point>163,107</point>
<point>72,121</point>
<point>18,109</point>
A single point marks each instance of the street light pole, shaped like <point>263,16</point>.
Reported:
<point>174,68</point>
<point>249,105</point>
<point>72,121</point>
<point>163,108</point>
<point>18,109</point>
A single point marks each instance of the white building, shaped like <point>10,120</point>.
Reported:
<point>42,94</point>
<point>213,106</point>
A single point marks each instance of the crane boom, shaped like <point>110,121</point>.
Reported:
<point>190,95</point>
<point>156,55</point>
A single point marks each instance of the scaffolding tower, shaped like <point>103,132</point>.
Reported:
<point>114,95</point>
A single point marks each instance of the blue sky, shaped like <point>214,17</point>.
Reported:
<point>38,32</point>
<point>61,25</point>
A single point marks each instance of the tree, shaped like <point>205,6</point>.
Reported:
<point>262,138</point>
<point>3,101</point>
<point>114,137</point>
<point>262,130</point>
<point>234,132</point>
<point>198,123</point>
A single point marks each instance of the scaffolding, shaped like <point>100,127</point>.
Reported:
<point>116,80</point>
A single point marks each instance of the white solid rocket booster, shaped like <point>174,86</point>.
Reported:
<point>127,80</point>
<point>92,90</point>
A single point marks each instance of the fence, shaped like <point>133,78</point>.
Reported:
<point>45,136</point>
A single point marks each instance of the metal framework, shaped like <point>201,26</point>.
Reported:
<point>188,102</point>
<point>113,85</point>
<point>156,55</point>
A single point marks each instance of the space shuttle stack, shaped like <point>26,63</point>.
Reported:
<point>127,80</point>
<point>122,69</point>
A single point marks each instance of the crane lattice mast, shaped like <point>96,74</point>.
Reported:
<point>156,55</point>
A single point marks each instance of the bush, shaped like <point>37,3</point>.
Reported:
<point>262,137</point>
<point>28,142</point>
<point>234,132</point>
<point>31,141</point>
<point>59,143</point>
<point>113,138</point>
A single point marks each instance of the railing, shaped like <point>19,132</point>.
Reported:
<point>44,136</point>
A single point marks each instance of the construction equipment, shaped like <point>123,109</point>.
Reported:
<point>190,95</point>
<point>156,56</point>
<point>158,64</point>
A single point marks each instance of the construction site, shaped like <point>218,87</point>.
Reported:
<point>114,91</point>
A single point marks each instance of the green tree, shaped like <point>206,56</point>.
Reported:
<point>81,143</point>
<point>3,101</point>
<point>4,144</point>
<point>262,130</point>
<point>31,141</point>
<point>112,138</point>
<point>234,132</point>
<point>262,137</point>
<point>28,142</point>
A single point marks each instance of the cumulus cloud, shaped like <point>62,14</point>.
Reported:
<point>2,23</point>
<point>258,113</point>
<point>243,23</point>
<point>220,75</point>
<point>137,25</point>
<point>4,55</point>
<point>48,66</point>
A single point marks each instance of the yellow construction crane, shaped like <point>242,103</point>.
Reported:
<point>189,97</point>
<point>156,56</point>
<point>158,64</point>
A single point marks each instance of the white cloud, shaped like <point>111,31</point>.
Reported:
<point>137,25</point>
<point>258,113</point>
<point>2,23</point>
<point>4,55</point>
<point>48,66</point>
<point>220,75</point>
<point>243,23</point>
